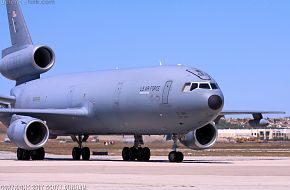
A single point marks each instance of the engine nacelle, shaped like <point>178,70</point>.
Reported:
<point>27,132</point>
<point>259,123</point>
<point>201,138</point>
<point>30,61</point>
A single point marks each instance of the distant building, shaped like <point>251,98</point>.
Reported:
<point>259,134</point>
<point>273,123</point>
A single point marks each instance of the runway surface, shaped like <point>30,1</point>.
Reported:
<point>60,172</point>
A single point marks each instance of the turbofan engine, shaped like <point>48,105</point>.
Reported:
<point>27,132</point>
<point>259,123</point>
<point>30,61</point>
<point>201,138</point>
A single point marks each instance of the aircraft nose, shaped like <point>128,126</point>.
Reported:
<point>215,102</point>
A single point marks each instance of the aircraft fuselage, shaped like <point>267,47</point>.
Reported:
<point>134,101</point>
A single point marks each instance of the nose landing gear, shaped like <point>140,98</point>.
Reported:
<point>175,156</point>
<point>80,151</point>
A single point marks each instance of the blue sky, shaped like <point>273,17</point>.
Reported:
<point>243,44</point>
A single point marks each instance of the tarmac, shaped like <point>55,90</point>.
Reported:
<point>110,172</point>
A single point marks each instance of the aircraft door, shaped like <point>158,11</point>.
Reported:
<point>117,94</point>
<point>166,91</point>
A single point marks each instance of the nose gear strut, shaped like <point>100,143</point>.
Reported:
<point>174,155</point>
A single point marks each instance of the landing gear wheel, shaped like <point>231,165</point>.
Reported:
<point>136,152</point>
<point>38,154</point>
<point>146,154</point>
<point>172,156</point>
<point>180,156</point>
<point>86,153</point>
<point>133,153</point>
<point>126,154</point>
<point>79,151</point>
<point>139,155</point>
<point>23,154</point>
<point>175,156</point>
<point>76,153</point>
<point>19,154</point>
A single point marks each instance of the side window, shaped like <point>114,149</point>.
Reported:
<point>214,86</point>
<point>186,87</point>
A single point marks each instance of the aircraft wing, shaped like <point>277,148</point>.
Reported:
<point>6,113</point>
<point>7,100</point>
<point>257,115</point>
<point>249,112</point>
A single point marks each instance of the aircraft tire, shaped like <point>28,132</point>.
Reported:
<point>76,153</point>
<point>139,154</point>
<point>38,154</point>
<point>146,154</point>
<point>126,154</point>
<point>23,154</point>
<point>19,154</point>
<point>133,153</point>
<point>180,156</point>
<point>86,153</point>
<point>172,156</point>
<point>175,156</point>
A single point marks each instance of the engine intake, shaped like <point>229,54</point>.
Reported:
<point>27,62</point>
<point>201,138</point>
<point>259,123</point>
<point>43,57</point>
<point>27,132</point>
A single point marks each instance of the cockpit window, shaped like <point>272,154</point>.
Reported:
<point>193,86</point>
<point>188,87</point>
<point>213,86</point>
<point>204,86</point>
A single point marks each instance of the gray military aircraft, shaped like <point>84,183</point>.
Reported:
<point>181,102</point>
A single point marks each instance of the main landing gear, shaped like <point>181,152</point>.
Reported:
<point>80,151</point>
<point>136,152</point>
<point>175,156</point>
<point>37,154</point>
